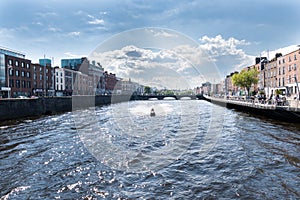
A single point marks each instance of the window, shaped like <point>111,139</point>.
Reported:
<point>18,84</point>
<point>17,72</point>
<point>283,60</point>
<point>28,74</point>
<point>279,71</point>
<point>290,68</point>
<point>41,77</point>
<point>295,77</point>
<point>47,71</point>
<point>10,62</point>
<point>11,72</point>
<point>283,70</point>
<point>295,57</point>
<point>295,67</point>
<point>11,83</point>
<point>40,69</point>
<point>23,84</point>
<point>23,74</point>
<point>290,59</point>
<point>27,65</point>
<point>290,79</point>
<point>278,82</point>
<point>22,64</point>
<point>17,63</point>
<point>282,81</point>
<point>28,84</point>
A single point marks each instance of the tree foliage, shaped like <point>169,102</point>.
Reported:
<point>147,90</point>
<point>245,79</point>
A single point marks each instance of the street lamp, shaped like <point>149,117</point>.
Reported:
<point>8,92</point>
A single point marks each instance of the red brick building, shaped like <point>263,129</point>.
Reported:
<point>110,81</point>
<point>19,72</point>
<point>42,80</point>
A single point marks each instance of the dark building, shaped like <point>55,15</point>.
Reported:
<point>110,81</point>
<point>42,80</point>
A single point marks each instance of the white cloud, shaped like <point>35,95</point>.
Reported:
<point>284,50</point>
<point>227,52</point>
<point>6,33</point>
<point>161,33</point>
<point>37,23</point>
<point>72,55</point>
<point>95,21</point>
<point>218,46</point>
<point>179,67</point>
<point>54,29</point>
<point>46,14</point>
<point>103,12</point>
<point>75,33</point>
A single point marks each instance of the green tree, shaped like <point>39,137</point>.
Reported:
<point>147,90</point>
<point>245,79</point>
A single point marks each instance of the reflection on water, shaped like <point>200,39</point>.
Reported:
<point>119,151</point>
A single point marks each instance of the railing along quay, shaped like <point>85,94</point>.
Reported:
<point>286,110</point>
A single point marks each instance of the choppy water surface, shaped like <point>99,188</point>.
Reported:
<point>189,150</point>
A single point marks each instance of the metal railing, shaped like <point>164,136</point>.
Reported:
<point>289,105</point>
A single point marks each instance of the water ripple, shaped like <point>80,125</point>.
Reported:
<point>199,151</point>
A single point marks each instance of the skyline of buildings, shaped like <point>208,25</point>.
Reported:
<point>279,73</point>
<point>79,76</point>
<point>20,77</point>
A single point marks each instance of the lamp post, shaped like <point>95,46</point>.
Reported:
<point>297,87</point>
<point>8,87</point>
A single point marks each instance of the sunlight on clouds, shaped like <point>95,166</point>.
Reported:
<point>219,46</point>
<point>174,68</point>
<point>227,51</point>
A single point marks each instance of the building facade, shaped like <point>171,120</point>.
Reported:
<point>15,74</point>
<point>70,82</point>
<point>110,82</point>
<point>42,80</point>
<point>270,76</point>
<point>288,73</point>
<point>230,89</point>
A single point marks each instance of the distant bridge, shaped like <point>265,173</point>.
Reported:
<point>161,97</point>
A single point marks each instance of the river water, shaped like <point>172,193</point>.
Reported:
<point>190,150</point>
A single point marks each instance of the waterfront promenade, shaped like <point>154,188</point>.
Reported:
<point>288,110</point>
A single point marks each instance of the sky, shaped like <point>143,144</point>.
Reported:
<point>174,44</point>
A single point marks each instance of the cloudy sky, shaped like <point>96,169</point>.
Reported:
<point>152,41</point>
